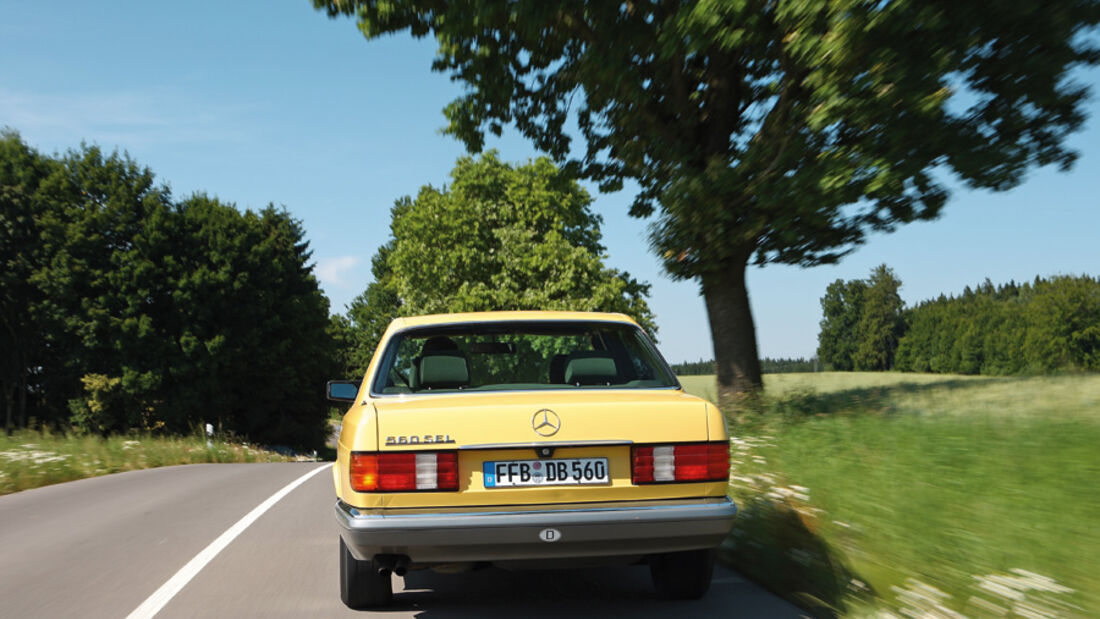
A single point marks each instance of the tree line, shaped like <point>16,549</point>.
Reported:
<point>1048,325</point>
<point>124,308</point>
<point>767,365</point>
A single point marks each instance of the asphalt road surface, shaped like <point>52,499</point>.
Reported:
<point>125,545</point>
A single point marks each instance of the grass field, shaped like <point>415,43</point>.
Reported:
<point>921,495</point>
<point>33,459</point>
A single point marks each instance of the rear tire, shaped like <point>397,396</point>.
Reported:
<point>682,575</point>
<point>361,586</point>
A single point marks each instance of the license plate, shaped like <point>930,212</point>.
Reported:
<point>559,472</point>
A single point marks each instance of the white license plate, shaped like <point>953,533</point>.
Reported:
<point>558,472</point>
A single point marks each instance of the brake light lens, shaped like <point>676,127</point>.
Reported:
<point>656,464</point>
<point>404,471</point>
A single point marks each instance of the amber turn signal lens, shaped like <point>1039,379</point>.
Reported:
<point>364,472</point>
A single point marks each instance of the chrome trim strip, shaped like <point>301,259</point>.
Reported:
<point>718,505</point>
<point>593,443</point>
<point>508,533</point>
<point>565,389</point>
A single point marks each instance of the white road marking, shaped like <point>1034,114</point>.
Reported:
<point>154,603</point>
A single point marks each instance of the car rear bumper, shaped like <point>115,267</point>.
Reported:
<point>519,533</point>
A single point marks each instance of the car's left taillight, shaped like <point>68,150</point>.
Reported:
<point>686,462</point>
<point>407,471</point>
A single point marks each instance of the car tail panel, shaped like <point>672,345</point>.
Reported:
<point>534,447</point>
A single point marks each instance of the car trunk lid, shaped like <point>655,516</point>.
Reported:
<point>569,428</point>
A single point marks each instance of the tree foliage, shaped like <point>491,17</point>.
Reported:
<point>1045,326</point>
<point>763,131</point>
<point>1048,325</point>
<point>862,323</point>
<point>147,313</point>
<point>838,337</point>
<point>499,237</point>
<point>881,324</point>
<point>371,312</point>
<point>22,171</point>
<point>767,364</point>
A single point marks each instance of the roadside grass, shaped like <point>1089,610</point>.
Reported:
<point>778,385</point>
<point>30,459</point>
<point>921,495</point>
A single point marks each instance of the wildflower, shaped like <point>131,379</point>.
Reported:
<point>922,600</point>
<point>1015,589</point>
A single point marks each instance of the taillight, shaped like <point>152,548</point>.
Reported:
<point>654,464</point>
<point>404,471</point>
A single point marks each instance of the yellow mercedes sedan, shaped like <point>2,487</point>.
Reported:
<point>526,439</point>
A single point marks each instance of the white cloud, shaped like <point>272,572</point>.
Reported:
<point>331,271</point>
<point>126,119</point>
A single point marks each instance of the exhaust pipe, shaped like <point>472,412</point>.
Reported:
<point>398,564</point>
<point>384,564</point>
<point>401,565</point>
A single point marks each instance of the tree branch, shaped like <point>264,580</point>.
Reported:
<point>790,84</point>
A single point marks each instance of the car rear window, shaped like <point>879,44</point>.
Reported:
<point>521,355</point>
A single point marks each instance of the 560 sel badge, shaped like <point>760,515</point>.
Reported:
<point>433,439</point>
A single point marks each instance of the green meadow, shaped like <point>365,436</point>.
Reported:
<point>920,495</point>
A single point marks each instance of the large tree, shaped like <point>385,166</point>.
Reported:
<point>838,338</point>
<point>862,322</point>
<point>764,130</point>
<point>22,171</point>
<point>881,324</point>
<point>499,237</point>
<point>123,309</point>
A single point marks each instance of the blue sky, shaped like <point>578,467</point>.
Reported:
<point>258,102</point>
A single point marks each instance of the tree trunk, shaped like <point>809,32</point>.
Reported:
<point>23,399</point>
<point>9,404</point>
<point>734,335</point>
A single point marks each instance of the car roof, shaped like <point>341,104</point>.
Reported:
<point>512,316</point>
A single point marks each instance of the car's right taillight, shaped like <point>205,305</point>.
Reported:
<point>688,462</point>
<point>407,471</point>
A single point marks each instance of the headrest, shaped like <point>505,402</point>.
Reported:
<point>557,369</point>
<point>437,344</point>
<point>590,369</point>
<point>443,371</point>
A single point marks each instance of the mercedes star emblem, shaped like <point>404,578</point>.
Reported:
<point>546,422</point>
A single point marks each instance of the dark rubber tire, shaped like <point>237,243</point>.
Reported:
<point>682,575</point>
<point>361,586</point>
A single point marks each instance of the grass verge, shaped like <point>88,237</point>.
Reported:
<point>922,495</point>
<point>32,459</point>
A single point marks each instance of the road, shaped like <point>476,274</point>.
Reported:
<point>102,547</point>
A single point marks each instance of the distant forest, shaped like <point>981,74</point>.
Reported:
<point>1047,325</point>
<point>768,366</point>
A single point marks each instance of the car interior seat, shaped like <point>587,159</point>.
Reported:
<point>557,369</point>
<point>591,368</point>
<point>441,365</point>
